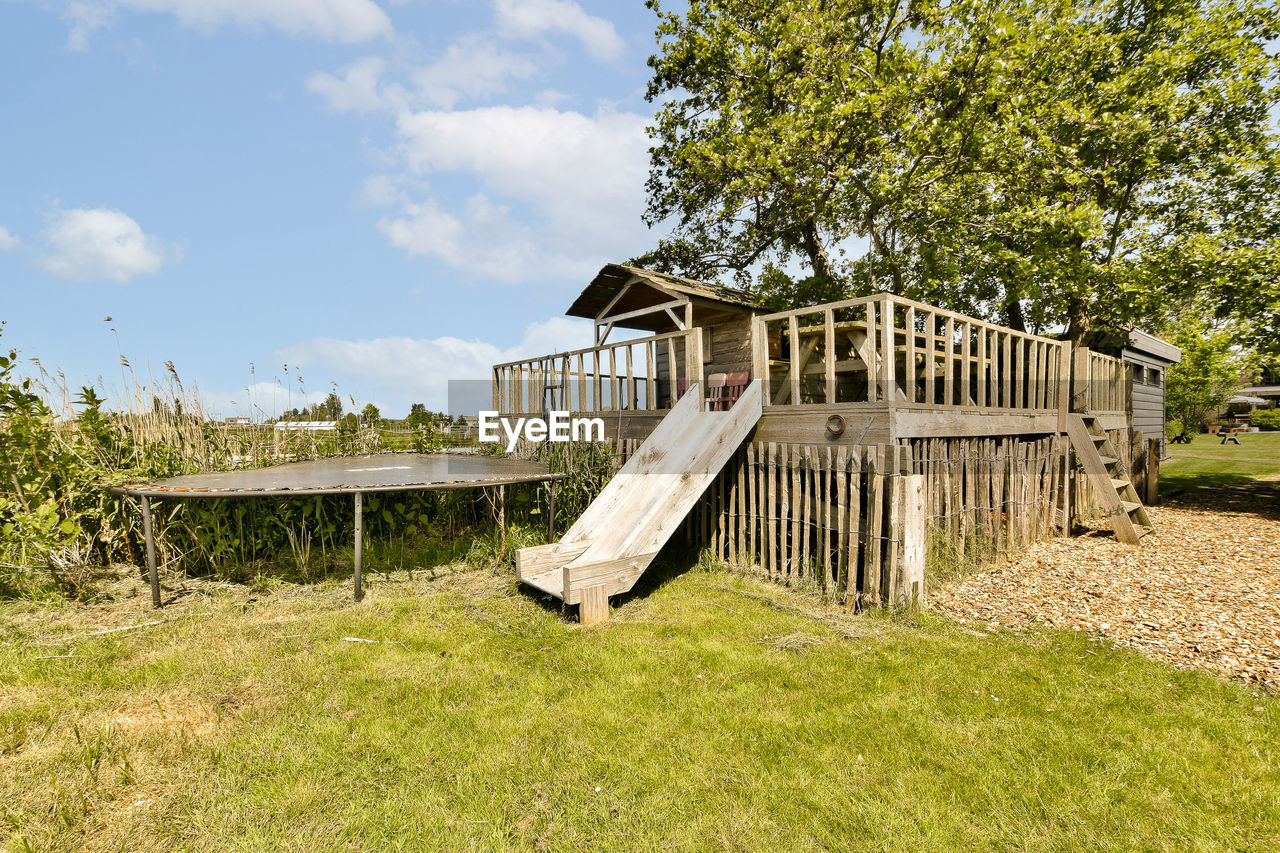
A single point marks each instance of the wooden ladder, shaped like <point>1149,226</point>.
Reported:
<point>1109,478</point>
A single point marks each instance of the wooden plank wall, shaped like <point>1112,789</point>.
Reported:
<point>826,518</point>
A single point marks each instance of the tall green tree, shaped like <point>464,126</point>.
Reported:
<point>1075,164</point>
<point>1212,367</point>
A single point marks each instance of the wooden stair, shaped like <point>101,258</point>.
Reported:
<point>608,548</point>
<point>1109,479</point>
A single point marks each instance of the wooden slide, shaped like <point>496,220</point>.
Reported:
<point>612,543</point>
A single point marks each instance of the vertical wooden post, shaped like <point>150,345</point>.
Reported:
<point>497,389</point>
<point>693,363</point>
<point>949,355</point>
<point>650,378</point>
<point>1080,396</point>
<point>760,356</point>
<point>869,348</point>
<point>888,355</point>
<point>673,373</point>
<point>359,549</point>
<point>793,331</point>
<point>1064,384</point>
<point>982,366</point>
<point>148,532</point>
<point>911,524</point>
<point>1153,471</point>
<point>909,355</point>
<point>829,362</point>
<point>593,607</point>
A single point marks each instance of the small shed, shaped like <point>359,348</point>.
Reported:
<point>1148,359</point>
<point>624,297</point>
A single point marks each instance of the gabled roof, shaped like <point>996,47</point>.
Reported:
<point>612,278</point>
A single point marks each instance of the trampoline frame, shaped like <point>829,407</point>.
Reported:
<point>145,492</point>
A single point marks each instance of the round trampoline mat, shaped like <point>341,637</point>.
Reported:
<point>381,472</point>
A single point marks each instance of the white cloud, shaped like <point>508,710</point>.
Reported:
<point>581,179</point>
<point>472,67</point>
<point>332,20</point>
<point>417,370</point>
<point>8,240</point>
<point>359,89</point>
<point>261,400</point>
<point>85,18</point>
<point>101,243</point>
<point>532,18</point>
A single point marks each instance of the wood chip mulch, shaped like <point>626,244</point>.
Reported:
<point>1202,591</point>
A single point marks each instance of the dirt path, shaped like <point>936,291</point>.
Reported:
<point>1203,590</point>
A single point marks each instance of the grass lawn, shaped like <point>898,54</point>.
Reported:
<point>1206,463</point>
<point>712,712</point>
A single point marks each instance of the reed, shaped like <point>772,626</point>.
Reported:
<point>63,448</point>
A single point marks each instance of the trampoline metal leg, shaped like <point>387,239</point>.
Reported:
<point>359,549</point>
<point>551,512</point>
<point>151,552</point>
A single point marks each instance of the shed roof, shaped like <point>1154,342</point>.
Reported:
<point>612,278</point>
<point>1151,345</point>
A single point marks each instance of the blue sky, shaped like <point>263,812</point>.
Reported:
<point>383,194</point>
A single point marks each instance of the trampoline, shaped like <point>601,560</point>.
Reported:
<point>353,475</point>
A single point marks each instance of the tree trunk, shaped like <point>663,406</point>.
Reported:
<point>819,262</point>
<point>1013,316</point>
<point>1077,322</point>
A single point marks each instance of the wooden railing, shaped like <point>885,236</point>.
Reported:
<point>643,374</point>
<point>1099,383</point>
<point>885,348</point>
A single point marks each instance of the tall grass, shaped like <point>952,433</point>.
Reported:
<point>62,449</point>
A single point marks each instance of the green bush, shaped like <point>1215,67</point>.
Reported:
<point>1266,418</point>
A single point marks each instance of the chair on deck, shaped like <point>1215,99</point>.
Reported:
<point>734,387</point>
<point>715,391</point>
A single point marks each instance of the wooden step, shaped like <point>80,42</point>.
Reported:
<point>1142,530</point>
<point>551,582</point>
<point>1126,516</point>
<point>541,559</point>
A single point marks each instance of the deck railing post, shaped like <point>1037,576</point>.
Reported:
<point>1079,379</point>
<point>760,355</point>
<point>888,356</point>
<point>829,347</point>
<point>693,362</point>
<point>1063,401</point>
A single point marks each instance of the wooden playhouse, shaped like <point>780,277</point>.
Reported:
<point>838,444</point>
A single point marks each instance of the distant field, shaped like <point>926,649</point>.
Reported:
<point>713,712</point>
<point>1206,463</point>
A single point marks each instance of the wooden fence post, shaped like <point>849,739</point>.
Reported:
<point>1153,471</point>
<point>911,523</point>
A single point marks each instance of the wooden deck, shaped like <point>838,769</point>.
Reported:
<point>877,369</point>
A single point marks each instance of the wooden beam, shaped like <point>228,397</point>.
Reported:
<point>640,312</point>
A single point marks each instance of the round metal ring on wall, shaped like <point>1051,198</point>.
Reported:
<point>835,425</point>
